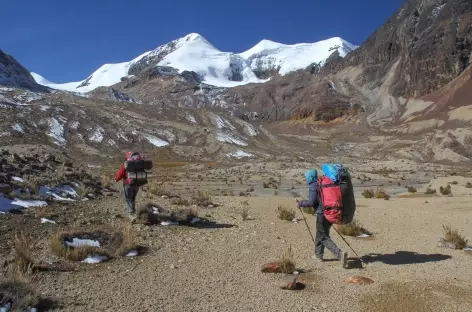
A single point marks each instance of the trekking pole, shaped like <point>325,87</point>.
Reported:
<point>307,226</point>
<point>349,246</point>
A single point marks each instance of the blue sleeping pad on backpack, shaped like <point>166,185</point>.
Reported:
<point>332,171</point>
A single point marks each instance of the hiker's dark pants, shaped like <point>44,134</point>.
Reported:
<point>130,198</point>
<point>322,239</point>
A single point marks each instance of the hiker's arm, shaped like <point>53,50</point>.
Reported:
<point>312,197</point>
<point>120,174</point>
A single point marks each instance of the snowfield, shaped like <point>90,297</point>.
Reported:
<point>156,141</point>
<point>222,69</point>
<point>239,154</point>
<point>56,131</point>
<point>226,138</point>
<point>97,136</point>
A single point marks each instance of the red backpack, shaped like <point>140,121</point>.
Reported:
<point>331,199</point>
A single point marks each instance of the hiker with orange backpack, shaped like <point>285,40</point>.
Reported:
<point>323,226</point>
<point>133,173</point>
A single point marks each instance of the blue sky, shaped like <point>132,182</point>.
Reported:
<point>67,40</point>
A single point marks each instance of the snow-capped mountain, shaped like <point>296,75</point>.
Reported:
<point>222,69</point>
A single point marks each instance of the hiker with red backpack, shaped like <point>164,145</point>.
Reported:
<point>323,225</point>
<point>132,172</point>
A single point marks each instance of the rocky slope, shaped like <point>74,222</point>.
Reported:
<point>422,47</point>
<point>13,74</point>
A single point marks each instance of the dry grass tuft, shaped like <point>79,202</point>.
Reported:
<point>190,214</point>
<point>202,198</point>
<point>128,242</point>
<point>21,293</point>
<point>284,213</point>
<point>287,264</point>
<point>34,183</point>
<point>454,237</point>
<point>353,228</point>
<point>411,189</point>
<point>106,180</point>
<point>430,191</point>
<point>23,254</point>
<point>368,193</point>
<point>378,193</point>
<point>468,185</point>
<point>381,194</point>
<point>245,213</point>
<point>446,190</point>
<point>84,191</point>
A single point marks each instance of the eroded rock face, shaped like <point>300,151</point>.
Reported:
<point>431,40</point>
<point>13,74</point>
<point>421,48</point>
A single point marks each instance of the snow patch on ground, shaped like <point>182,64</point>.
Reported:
<point>18,127</point>
<point>251,131</point>
<point>239,154</point>
<point>226,138</point>
<point>191,119</point>
<point>97,136</point>
<point>80,242</point>
<point>17,179</point>
<point>44,108</point>
<point>74,125</point>
<point>8,204</point>
<point>59,193</point>
<point>28,97</point>
<point>45,220</point>
<point>95,259</point>
<point>156,141</point>
<point>56,131</point>
<point>222,123</point>
<point>5,89</point>
<point>132,253</point>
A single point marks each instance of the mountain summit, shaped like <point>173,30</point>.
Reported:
<point>223,69</point>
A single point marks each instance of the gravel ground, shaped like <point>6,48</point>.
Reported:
<point>218,269</point>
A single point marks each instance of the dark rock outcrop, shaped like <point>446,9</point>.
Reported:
<point>429,42</point>
<point>13,74</point>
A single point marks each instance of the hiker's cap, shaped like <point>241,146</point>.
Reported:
<point>311,175</point>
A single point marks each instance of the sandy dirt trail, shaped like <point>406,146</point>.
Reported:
<point>218,269</point>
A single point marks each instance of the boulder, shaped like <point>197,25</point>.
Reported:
<point>49,157</point>
<point>358,280</point>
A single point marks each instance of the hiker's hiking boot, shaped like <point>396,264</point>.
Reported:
<point>317,258</point>
<point>344,260</point>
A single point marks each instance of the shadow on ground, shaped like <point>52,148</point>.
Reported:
<point>404,257</point>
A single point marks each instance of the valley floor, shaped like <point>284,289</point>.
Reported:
<point>219,268</point>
